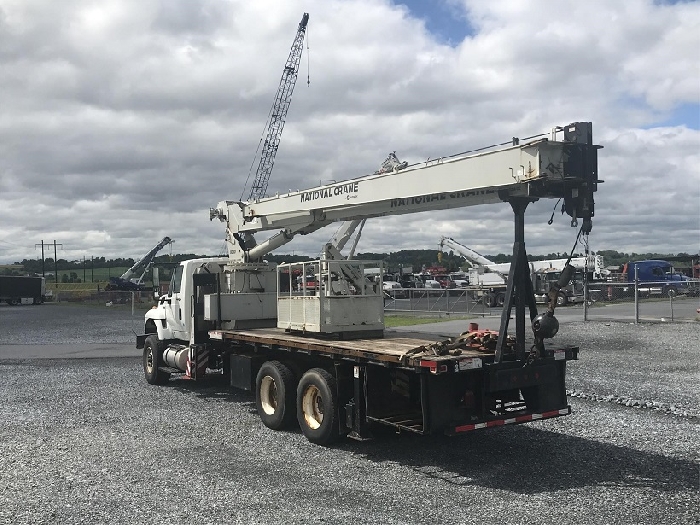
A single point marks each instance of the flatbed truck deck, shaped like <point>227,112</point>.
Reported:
<point>421,383</point>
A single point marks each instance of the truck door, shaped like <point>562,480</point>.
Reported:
<point>174,311</point>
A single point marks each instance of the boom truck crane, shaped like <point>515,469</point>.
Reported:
<point>493,277</point>
<point>127,282</point>
<point>320,357</point>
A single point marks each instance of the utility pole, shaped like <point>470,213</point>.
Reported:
<point>55,261</point>
<point>92,268</point>
<point>83,268</point>
<point>55,264</point>
<point>43,273</point>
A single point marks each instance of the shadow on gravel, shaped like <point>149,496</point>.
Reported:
<point>214,387</point>
<point>526,460</point>
<point>519,459</point>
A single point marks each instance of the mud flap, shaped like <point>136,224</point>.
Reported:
<point>197,362</point>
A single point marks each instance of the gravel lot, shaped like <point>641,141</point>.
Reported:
<point>88,441</point>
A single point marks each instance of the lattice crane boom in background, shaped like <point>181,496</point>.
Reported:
<point>278,113</point>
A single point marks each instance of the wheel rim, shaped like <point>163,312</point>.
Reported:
<point>268,395</point>
<point>312,407</point>
<point>149,360</point>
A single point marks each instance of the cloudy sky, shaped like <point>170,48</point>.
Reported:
<point>123,121</point>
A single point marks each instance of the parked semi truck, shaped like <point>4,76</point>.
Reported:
<point>654,277</point>
<point>319,357</point>
<point>22,289</point>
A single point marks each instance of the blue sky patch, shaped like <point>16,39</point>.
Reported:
<point>443,18</point>
<point>683,115</point>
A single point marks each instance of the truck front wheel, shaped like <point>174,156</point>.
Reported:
<point>317,406</point>
<point>670,291</point>
<point>152,358</point>
<point>562,299</point>
<point>274,395</point>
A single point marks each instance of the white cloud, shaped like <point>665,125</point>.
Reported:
<point>124,121</point>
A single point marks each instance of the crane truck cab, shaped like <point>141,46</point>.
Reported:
<point>171,317</point>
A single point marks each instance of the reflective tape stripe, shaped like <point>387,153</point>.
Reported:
<point>512,420</point>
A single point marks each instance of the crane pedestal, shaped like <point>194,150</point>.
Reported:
<point>519,290</point>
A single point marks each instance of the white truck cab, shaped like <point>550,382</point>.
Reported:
<point>171,318</point>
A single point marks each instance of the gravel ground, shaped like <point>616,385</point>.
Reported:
<point>88,441</point>
<point>69,323</point>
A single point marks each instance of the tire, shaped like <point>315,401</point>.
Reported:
<point>562,299</point>
<point>670,291</point>
<point>152,359</point>
<point>275,388</point>
<point>317,406</point>
<point>501,299</point>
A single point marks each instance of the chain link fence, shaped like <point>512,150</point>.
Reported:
<point>643,301</point>
<point>604,301</point>
<point>117,301</point>
<point>599,301</point>
<point>481,302</point>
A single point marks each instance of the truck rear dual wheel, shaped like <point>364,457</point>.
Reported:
<point>501,299</point>
<point>275,395</point>
<point>152,359</point>
<point>317,406</point>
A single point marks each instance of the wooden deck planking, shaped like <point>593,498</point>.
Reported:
<point>391,348</point>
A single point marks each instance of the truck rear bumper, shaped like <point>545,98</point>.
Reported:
<point>513,420</point>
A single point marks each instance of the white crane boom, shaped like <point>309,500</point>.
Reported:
<point>594,263</point>
<point>537,169</point>
<point>471,255</point>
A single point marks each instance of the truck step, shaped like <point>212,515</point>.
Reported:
<point>411,422</point>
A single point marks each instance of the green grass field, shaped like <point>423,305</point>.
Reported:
<point>391,320</point>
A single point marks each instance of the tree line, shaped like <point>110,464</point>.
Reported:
<point>393,261</point>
